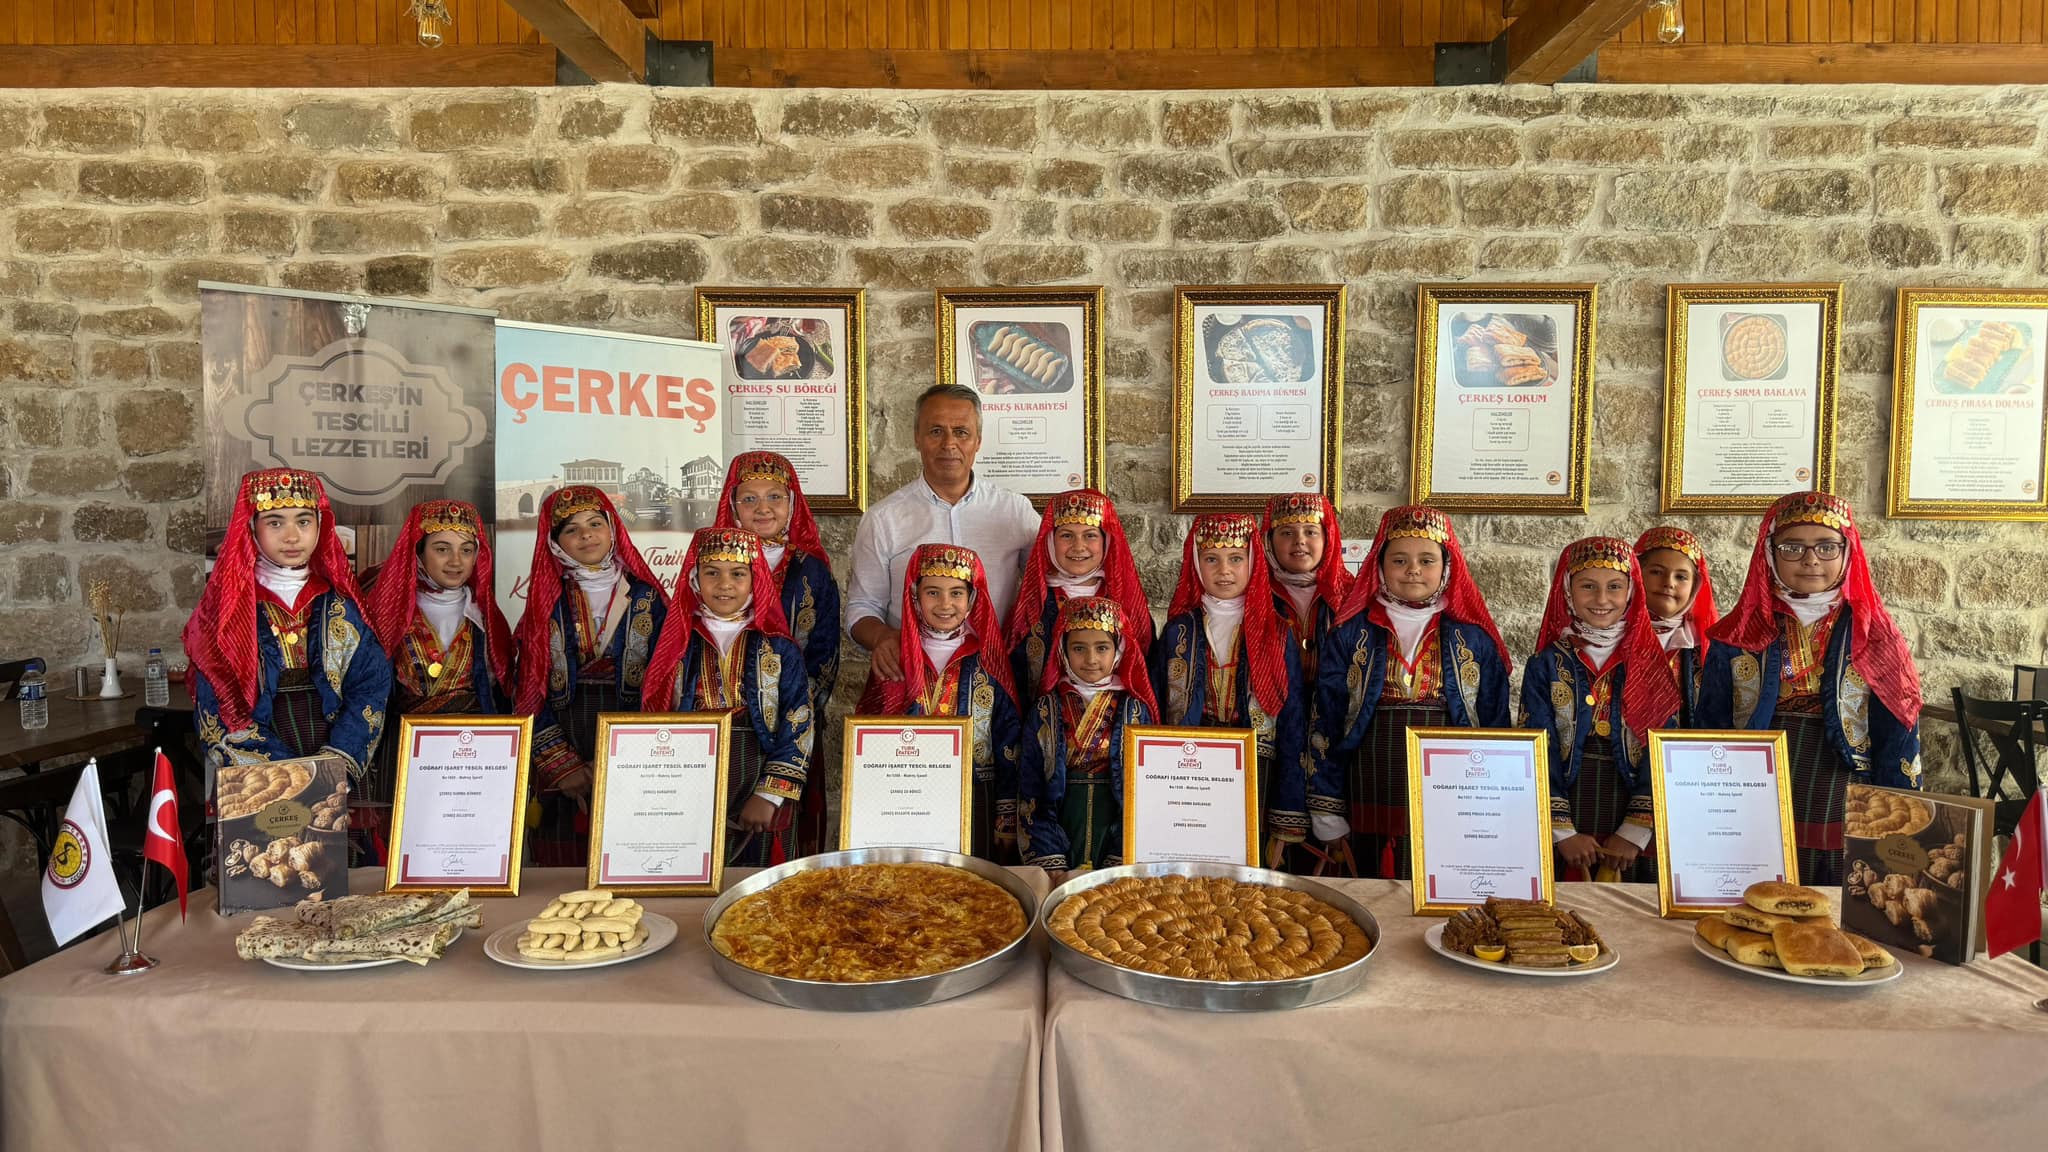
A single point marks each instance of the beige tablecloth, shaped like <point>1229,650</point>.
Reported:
<point>1666,1051</point>
<point>467,1055</point>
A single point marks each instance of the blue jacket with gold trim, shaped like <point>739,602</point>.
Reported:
<point>1739,689</point>
<point>630,645</point>
<point>810,602</point>
<point>1352,673</point>
<point>998,728</point>
<point>1042,778</point>
<point>1178,665</point>
<point>349,668</point>
<point>1555,686</point>
<point>777,703</point>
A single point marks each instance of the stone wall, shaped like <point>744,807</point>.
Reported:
<point>607,206</point>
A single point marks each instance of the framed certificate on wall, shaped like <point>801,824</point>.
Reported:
<point>908,783</point>
<point>1191,794</point>
<point>657,803</point>
<point>1503,396</point>
<point>1478,816</point>
<point>1724,817</point>
<point>1258,395</point>
<point>1035,357</point>
<point>1969,426</point>
<point>458,806</point>
<point>1749,394</point>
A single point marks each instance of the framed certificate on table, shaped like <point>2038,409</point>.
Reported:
<point>1258,395</point>
<point>1724,818</point>
<point>1478,816</point>
<point>657,803</point>
<point>458,806</point>
<point>1969,427</point>
<point>1035,357</point>
<point>1749,394</point>
<point>1503,396</point>
<point>796,382</point>
<point>908,783</point>
<point>1191,794</point>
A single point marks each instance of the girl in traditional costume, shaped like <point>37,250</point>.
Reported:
<point>1810,649</point>
<point>955,664</point>
<point>1072,779</point>
<point>1680,592</point>
<point>1413,646</point>
<point>283,663</point>
<point>593,609</point>
<point>764,495</point>
<point>1598,683</point>
<point>1081,550</point>
<point>1305,559</point>
<point>725,647</point>
<point>1224,661</point>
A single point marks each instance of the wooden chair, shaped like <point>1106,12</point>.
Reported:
<point>2029,682</point>
<point>2012,766</point>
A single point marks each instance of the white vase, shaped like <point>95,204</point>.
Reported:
<point>110,680</point>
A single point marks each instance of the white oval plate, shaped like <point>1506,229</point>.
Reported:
<point>1862,980</point>
<point>1435,938</point>
<point>503,946</point>
<point>298,965</point>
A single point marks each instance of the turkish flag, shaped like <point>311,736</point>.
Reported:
<point>2012,913</point>
<point>162,841</point>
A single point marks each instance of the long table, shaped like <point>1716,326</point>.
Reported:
<point>1668,1050</point>
<point>469,1054</point>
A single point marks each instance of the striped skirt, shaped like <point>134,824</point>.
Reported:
<point>745,849</point>
<point>562,838</point>
<point>296,717</point>
<point>1095,832</point>
<point>1600,803</point>
<point>1379,788</point>
<point>1819,796</point>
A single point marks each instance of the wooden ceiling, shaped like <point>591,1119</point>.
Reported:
<point>1014,43</point>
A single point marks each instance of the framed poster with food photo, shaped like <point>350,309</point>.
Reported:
<point>1035,357</point>
<point>1503,396</point>
<point>796,382</point>
<point>1749,394</point>
<point>1969,431</point>
<point>1258,395</point>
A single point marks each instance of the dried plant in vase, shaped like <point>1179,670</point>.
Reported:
<point>99,596</point>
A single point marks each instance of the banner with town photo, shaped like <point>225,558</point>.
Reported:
<point>387,401</point>
<point>636,416</point>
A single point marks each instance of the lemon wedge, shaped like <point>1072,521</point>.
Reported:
<point>1494,953</point>
<point>1584,953</point>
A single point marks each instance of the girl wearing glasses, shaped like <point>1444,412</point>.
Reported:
<point>1810,649</point>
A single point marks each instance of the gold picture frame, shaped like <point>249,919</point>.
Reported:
<point>1193,345</point>
<point>1491,299</point>
<point>1537,742</point>
<point>1976,425</point>
<point>600,778</point>
<point>394,862</point>
<point>1088,358</point>
<point>962,725</point>
<point>1245,738</point>
<point>1666,905</point>
<point>851,304</point>
<point>1680,299</point>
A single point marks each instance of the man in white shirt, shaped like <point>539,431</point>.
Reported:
<point>944,505</point>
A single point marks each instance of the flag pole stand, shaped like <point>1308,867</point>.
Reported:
<point>133,961</point>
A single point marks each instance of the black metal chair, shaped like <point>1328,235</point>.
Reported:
<point>2029,682</point>
<point>2010,775</point>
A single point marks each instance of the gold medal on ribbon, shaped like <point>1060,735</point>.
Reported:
<point>1590,701</point>
<point>1603,728</point>
<point>434,670</point>
<point>290,638</point>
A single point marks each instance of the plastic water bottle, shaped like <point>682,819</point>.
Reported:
<point>156,683</point>
<point>35,698</point>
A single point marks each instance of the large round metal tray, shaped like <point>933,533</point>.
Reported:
<point>880,994</point>
<point>1212,995</point>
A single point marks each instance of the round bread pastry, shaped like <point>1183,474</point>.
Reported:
<point>1816,950</point>
<point>1874,956</point>
<point>1715,930</point>
<point>1786,899</point>
<point>1754,347</point>
<point>1753,948</point>
<point>1750,920</point>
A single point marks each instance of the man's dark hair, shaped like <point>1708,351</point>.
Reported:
<point>952,392</point>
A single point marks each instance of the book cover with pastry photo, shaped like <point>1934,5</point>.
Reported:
<point>1916,869</point>
<point>280,833</point>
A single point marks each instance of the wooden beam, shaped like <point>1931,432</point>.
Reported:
<point>602,37</point>
<point>1554,36</point>
<point>1901,63</point>
<point>1509,9</point>
<point>644,9</point>
<point>276,66</point>
<point>1102,69</point>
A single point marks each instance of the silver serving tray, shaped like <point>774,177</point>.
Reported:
<point>880,994</point>
<point>1212,995</point>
